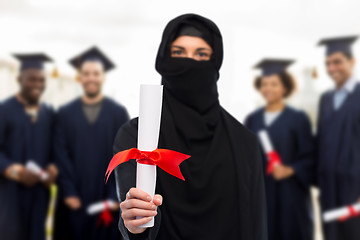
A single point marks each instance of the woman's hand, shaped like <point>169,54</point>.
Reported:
<point>282,172</point>
<point>138,204</point>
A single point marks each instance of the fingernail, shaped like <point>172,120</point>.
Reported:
<point>155,213</point>
<point>148,198</point>
<point>153,207</point>
<point>128,194</point>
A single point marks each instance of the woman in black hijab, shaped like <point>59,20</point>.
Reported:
<point>223,195</point>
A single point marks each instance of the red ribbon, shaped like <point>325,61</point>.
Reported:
<point>165,159</point>
<point>105,216</point>
<point>273,160</point>
<point>352,213</point>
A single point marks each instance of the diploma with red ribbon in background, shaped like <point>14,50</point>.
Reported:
<point>147,154</point>
<point>272,155</point>
<point>36,169</point>
<point>103,208</point>
<point>343,213</point>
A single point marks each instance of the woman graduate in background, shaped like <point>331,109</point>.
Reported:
<point>288,184</point>
<point>223,196</point>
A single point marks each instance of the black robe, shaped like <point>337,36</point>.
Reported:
<point>338,161</point>
<point>83,151</point>
<point>23,209</point>
<point>289,201</point>
<point>248,187</point>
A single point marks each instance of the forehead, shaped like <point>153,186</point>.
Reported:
<point>272,77</point>
<point>92,65</point>
<point>190,41</point>
<point>336,56</point>
<point>32,72</point>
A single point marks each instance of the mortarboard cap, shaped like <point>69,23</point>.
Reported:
<point>273,66</point>
<point>93,54</point>
<point>339,44</point>
<point>35,60</point>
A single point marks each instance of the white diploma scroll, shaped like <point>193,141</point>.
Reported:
<point>148,136</point>
<point>36,169</point>
<point>99,206</point>
<point>265,141</point>
<point>338,213</point>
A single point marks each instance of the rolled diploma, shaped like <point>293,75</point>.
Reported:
<point>339,213</point>
<point>36,169</point>
<point>98,207</point>
<point>148,137</point>
<point>265,141</point>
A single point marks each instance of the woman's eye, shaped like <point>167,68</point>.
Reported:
<point>177,52</point>
<point>202,54</point>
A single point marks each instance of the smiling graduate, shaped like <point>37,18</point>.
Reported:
<point>85,130</point>
<point>338,138</point>
<point>287,187</point>
<point>26,134</point>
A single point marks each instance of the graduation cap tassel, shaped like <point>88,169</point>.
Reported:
<point>77,76</point>
<point>314,73</point>
<point>55,73</point>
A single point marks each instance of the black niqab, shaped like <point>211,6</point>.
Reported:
<point>191,124</point>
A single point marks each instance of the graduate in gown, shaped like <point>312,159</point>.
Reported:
<point>288,185</point>
<point>338,139</point>
<point>26,132</point>
<point>223,195</point>
<point>85,130</point>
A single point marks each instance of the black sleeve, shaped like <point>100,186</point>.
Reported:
<point>125,175</point>
<point>257,197</point>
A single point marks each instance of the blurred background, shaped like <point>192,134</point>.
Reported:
<point>129,32</point>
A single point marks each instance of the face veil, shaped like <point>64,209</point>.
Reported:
<point>192,83</point>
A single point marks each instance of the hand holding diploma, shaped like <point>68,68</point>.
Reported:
<point>343,213</point>
<point>47,176</point>
<point>21,174</point>
<point>148,158</point>
<point>275,166</point>
<point>139,203</point>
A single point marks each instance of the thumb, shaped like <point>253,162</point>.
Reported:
<point>158,199</point>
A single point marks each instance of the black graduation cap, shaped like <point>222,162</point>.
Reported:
<point>273,66</point>
<point>34,60</point>
<point>93,54</point>
<point>339,44</point>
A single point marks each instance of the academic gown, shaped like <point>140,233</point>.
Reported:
<point>83,151</point>
<point>248,186</point>
<point>338,161</point>
<point>288,201</point>
<point>23,209</point>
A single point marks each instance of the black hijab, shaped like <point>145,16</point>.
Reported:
<point>223,194</point>
<point>191,124</point>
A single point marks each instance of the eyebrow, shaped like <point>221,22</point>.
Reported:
<point>198,49</point>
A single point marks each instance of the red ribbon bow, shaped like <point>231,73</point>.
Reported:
<point>273,160</point>
<point>105,216</point>
<point>352,213</point>
<point>165,159</point>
